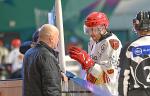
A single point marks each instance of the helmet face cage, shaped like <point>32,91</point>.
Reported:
<point>142,21</point>
<point>90,30</point>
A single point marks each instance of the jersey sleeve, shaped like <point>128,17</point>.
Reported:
<point>124,73</point>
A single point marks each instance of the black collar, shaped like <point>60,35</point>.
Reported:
<point>41,43</point>
<point>105,36</point>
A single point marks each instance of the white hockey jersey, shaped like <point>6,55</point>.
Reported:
<point>105,53</point>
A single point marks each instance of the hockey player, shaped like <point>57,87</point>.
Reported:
<point>104,49</point>
<point>134,79</point>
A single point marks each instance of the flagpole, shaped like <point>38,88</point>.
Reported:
<point>59,24</point>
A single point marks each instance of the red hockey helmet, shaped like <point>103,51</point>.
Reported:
<point>94,23</point>
<point>96,18</point>
<point>16,43</point>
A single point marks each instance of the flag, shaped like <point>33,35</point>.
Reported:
<point>52,17</point>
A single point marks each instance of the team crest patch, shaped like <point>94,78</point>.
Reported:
<point>114,43</point>
<point>110,71</point>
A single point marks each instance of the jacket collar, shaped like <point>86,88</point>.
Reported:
<point>49,48</point>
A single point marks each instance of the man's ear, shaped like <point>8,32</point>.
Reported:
<point>50,39</point>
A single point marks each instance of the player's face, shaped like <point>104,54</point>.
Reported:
<point>95,36</point>
<point>93,32</point>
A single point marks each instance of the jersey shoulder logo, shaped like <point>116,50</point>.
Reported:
<point>114,43</point>
<point>141,51</point>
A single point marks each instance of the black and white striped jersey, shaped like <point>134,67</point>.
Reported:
<point>135,66</point>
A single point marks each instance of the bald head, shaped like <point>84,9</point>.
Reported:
<point>47,30</point>
<point>49,34</point>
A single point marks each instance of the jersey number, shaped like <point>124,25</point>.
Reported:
<point>148,76</point>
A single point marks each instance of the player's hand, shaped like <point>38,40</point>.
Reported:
<point>82,57</point>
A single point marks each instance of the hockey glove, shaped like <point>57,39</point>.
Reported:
<point>82,57</point>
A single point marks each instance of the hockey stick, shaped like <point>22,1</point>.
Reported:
<point>96,90</point>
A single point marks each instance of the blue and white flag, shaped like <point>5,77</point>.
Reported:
<point>52,17</point>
